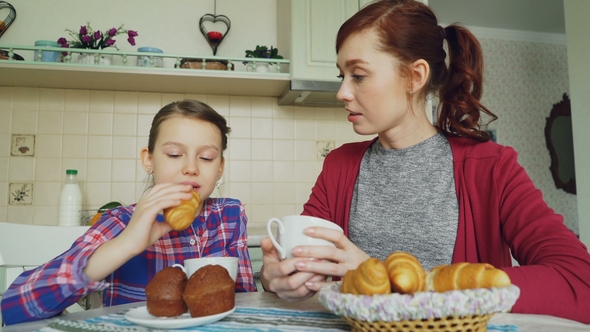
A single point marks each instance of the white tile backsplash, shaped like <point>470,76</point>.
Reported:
<point>25,99</point>
<point>75,123</point>
<point>52,99</point>
<point>24,122</point>
<point>100,146</point>
<point>50,122</point>
<point>125,125</point>
<point>271,160</point>
<point>102,101</point>
<point>74,146</point>
<point>6,116</point>
<point>77,100</point>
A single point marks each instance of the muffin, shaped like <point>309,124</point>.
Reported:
<point>164,293</point>
<point>209,291</point>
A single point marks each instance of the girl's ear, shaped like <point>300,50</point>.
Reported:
<point>420,73</point>
<point>146,160</point>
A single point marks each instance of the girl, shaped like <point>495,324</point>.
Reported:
<point>444,193</point>
<point>123,251</point>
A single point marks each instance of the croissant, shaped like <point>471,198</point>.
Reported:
<point>369,278</point>
<point>464,275</point>
<point>181,216</point>
<point>405,272</point>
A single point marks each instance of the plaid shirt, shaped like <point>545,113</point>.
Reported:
<point>220,230</point>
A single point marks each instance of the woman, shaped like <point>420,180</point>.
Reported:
<point>123,251</point>
<point>444,193</point>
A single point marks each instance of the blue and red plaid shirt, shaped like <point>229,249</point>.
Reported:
<point>220,230</point>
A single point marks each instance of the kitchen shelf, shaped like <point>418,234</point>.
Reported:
<point>140,79</point>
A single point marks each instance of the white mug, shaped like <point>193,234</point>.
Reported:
<point>290,233</point>
<point>193,264</point>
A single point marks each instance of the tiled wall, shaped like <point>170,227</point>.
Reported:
<point>274,152</point>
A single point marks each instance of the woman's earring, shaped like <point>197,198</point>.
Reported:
<point>149,171</point>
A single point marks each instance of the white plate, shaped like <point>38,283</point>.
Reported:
<point>141,316</point>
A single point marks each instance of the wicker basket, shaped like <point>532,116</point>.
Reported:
<point>465,310</point>
<point>471,323</point>
<point>209,64</point>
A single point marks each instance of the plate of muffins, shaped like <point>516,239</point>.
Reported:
<point>141,316</point>
<point>174,301</point>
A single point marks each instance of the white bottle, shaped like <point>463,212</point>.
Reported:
<point>70,200</point>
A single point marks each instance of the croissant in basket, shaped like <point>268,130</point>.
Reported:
<point>402,273</point>
<point>465,276</point>
<point>369,278</point>
<point>406,274</point>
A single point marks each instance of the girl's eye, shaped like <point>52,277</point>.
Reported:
<point>341,77</point>
<point>173,156</point>
<point>206,159</point>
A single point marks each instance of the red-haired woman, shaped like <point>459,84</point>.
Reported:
<point>443,192</point>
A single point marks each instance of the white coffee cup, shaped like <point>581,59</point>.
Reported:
<point>290,233</point>
<point>193,264</point>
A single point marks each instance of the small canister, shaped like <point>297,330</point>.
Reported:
<point>144,61</point>
<point>47,56</point>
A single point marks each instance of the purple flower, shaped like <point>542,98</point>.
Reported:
<point>83,30</point>
<point>62,41</point>
<point>131,41</point>
<point>97,35</point>
<point>86,39</point>
<point>132,34</point>
<point>112,32</point>
<point>110,42</point>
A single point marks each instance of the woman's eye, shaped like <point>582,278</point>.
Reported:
<point>341,77</point>
<point>358,77</point>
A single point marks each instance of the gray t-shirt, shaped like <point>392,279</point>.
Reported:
<point>405,200</point>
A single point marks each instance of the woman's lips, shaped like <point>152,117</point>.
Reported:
<point>353,117</point>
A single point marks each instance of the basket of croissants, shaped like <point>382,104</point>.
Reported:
<point>399,295</point>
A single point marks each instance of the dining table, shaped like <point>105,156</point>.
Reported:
<point>265,311</point>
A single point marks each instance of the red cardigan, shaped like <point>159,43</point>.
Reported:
<point>499,210</point>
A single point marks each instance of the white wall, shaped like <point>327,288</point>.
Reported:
<point>171,25</point>
<point>578,46</point>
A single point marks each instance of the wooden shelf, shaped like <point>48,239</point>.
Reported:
<point>141,79</point>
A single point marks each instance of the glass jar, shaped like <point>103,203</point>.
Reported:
<point>145,61</point>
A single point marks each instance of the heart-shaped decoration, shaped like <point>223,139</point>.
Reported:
<point>6,22</point>
<point>214,38</point>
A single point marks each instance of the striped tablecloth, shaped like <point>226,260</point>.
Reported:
<point>242,319</point>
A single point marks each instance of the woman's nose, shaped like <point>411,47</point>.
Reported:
<point>344,93</point>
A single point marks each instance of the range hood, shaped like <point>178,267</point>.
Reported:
<point>312,93</point>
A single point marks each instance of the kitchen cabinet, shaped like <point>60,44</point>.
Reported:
<point>307,35</point>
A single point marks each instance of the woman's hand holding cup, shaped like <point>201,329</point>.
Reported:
<point>282,253</point>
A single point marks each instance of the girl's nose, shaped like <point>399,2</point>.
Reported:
<point>190,168</point>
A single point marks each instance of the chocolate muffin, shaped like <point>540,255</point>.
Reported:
<point>209,291</point>
<point>164,293</point>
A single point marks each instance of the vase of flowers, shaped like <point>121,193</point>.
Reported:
<point>88,38</point>
<point>261,52</point>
